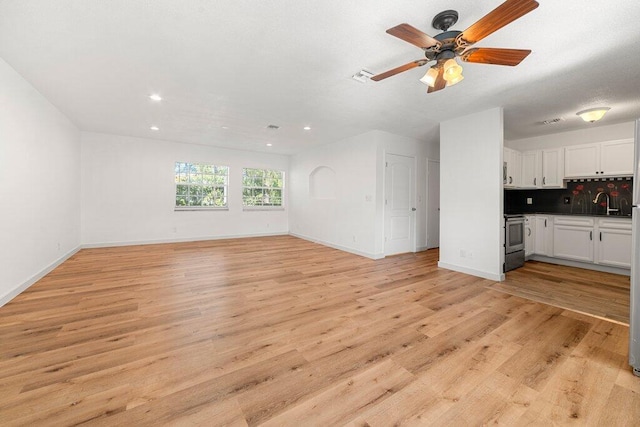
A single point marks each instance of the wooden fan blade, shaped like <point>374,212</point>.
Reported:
<point>489,55</point>
<point>413,35</point>
<point>440,81</point>
<point>502,15</point>
<point>400,69</point>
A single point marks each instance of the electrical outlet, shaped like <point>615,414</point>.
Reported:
<point>529,200</point>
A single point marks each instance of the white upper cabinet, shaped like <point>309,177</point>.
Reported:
<point>582,160</point>
<point>531,169</point>
<point>611,158</point>
<point>616,157</point>
<point>553,168</point>
<point>513,159</point>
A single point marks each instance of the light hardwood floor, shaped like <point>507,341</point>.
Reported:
<point>279,331</point>
<point>603,295</point>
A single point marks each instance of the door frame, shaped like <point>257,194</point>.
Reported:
<point>427,207</point>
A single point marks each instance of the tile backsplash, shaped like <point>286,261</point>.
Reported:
<point>577,198</point>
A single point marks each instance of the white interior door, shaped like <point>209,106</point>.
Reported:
<point>399,229</point>
<point>433,204</point>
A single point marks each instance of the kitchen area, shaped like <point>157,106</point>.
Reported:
<point>570,205</point>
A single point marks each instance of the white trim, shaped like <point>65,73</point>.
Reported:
<point>262,208</point>
<point>339,247</point>
<point>471,271</point>
<point>200,208</point>
<point>422,248</point>
<point>33,279</point>
<point>180,240</point>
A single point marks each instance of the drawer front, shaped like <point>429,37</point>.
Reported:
<point>616,224</point>
<point>575,221</point>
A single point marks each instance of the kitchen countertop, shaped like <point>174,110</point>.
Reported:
<point>573,214</point>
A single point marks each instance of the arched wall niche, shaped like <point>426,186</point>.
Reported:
<point>322,183</point>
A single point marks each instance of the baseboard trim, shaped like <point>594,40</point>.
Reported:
<point>180,240</point>
<point>33,279</point>
<point>578,264</point>
<point>472,272</point>
<point>339,247</point>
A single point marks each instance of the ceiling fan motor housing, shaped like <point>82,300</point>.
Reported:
<point>448,47</point>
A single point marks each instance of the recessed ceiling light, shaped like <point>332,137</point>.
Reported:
<point>224,127</point>
<point>269,145</point>
<point>155,97</point>
<point>307,128</point>
<point>154,128</point>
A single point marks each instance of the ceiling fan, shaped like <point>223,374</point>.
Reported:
<point>446,46</point>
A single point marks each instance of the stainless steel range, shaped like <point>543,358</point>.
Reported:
<point>513,242</point>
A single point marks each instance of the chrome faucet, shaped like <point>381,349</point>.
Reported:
<point>607,197</point>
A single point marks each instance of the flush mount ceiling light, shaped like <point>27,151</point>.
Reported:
<point>155,97</point>
<point>269,145</point>
<point>593,114</point>
<point>154,128</point>
<point>307,128</point>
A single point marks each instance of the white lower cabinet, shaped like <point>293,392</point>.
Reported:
<point>529,235</point>
<point>614,243</point>
<point>573,238</point>
<point>604,241</point>
<point>543,235</point>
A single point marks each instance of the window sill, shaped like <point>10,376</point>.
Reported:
<point>263,208</point>
<point>199,208</point>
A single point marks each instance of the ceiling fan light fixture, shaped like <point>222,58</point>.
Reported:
<point>430,77</point>
<point>452,70</point>
<point>593,114</point>
<point>455,80</point>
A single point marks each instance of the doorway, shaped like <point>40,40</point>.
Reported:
<point>399,209</point>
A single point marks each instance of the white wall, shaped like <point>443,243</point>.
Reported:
<point>39,185</point>
<point>354,219</point>
<point>471,195</point>
<point>128,192</point>
<point>587,135</point>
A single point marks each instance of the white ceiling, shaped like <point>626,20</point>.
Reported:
<point>245,64</point>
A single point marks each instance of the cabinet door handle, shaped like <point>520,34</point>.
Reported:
<point>591,235</point>
<point>534,181</point>
<point>545,222</point>
<point>529,232</point>
<point>544,180</point>
<point>510,180</point>
<point>601,236</point>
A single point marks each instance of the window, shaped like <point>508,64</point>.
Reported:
<point>262,188</point>
<point>201,186</point>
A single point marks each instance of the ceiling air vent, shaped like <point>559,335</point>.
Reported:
<point>551,121</point>
<point>362,76</point>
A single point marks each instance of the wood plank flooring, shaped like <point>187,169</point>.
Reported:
<point>599,294</point>
<point>278,331</point>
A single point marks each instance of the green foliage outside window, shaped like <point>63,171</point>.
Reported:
<point>200,185</point>
<point>262,187</point>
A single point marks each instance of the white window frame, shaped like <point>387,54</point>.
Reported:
<point>186,175</point>
<point>261,207</point>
